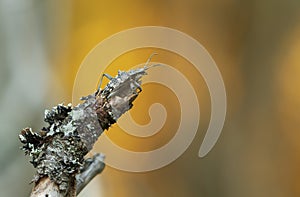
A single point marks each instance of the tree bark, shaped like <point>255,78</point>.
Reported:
<point>57,151</point>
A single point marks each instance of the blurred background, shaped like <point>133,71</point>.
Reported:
<point>256,45</point>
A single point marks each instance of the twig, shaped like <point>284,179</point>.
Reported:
<point>94,166</point>
<point>57,151</point>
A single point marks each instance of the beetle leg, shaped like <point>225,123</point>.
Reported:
<point>100,83</point>
<point>138,86</point>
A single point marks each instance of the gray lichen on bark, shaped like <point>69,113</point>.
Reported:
<point>57,151</point>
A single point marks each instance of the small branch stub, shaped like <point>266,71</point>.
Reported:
<point>57,151</point>
<point>92,167</point>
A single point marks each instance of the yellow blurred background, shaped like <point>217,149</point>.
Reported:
<point>255,44</point>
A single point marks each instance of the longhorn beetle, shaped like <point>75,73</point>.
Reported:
<point>123,78</point>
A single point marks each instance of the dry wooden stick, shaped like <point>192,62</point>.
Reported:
<point>93,167</point>
<point>57,151</point>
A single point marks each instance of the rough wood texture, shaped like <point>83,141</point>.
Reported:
<point>57,151</point>
<point>46,187</point>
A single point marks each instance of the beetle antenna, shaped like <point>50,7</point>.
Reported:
<point>149,59</point>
